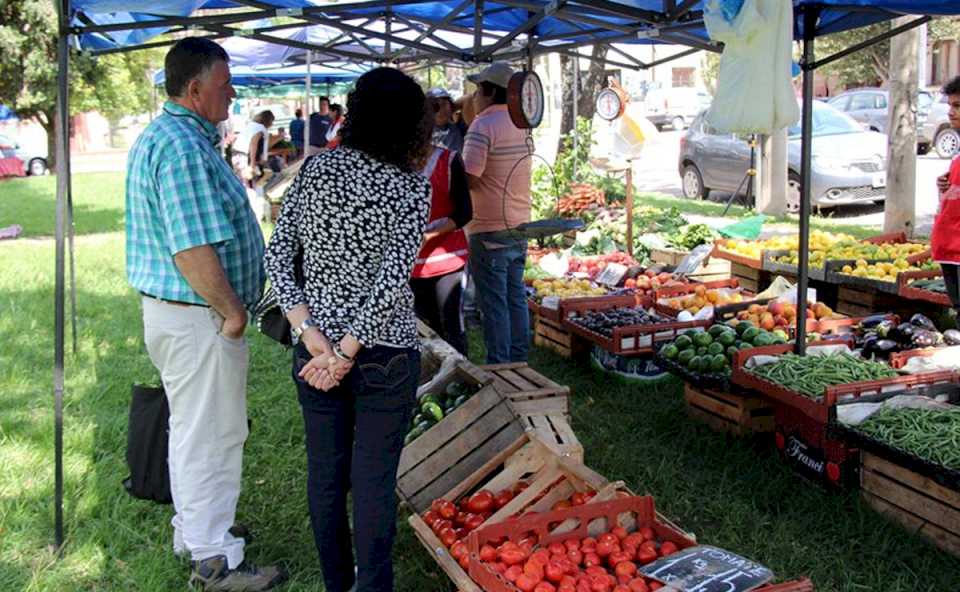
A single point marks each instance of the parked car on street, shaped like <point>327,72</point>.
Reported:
<point>674,107</point>
<point>937,132</point>
<point>870,106</point>
<point>35,161</point>
<point>849,163</point>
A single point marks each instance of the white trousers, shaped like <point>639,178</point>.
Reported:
<point>204,375</point>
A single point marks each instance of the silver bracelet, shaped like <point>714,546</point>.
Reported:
<point>338,351</point>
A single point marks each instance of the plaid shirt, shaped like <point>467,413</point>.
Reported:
<point>182,194</point>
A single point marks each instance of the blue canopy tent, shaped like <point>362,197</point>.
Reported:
<point>291,75</point>
<point>412,31</point>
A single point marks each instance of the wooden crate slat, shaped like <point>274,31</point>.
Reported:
<point>922,506</point>
<point>557,493</point>
<point>446,455</point>
<point>473,410</point>
<point>545,477</point>
<point>547,406</point>
<point>554,333</point>
<point>704,401</point>
<point>512,472</point>
<point>911,479</point>
<point>562,427</point>
<point>516,380</point>
<point>740,415</point>
<point>469,463</point>
<point>481,472</point>
<point>440,554</point>
<point>947,541</point>
<point>538,379</point>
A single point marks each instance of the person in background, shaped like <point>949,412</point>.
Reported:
<point>319,126</point>
<point>333,134</point>
<point>446,132</point>
<point>194,253</point>
<point>495,156</point>
<point>945,238</point>
<point>357,214</point>
<point>438,276</point>
<point>252,147</point>
<point>296,131</point>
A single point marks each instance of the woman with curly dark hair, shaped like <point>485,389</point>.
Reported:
<point>340,260</point>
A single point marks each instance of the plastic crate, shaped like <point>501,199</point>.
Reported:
<point>628,340</point>
<point>735,258</point>
<point>557,314</point>
<point>906,290</point>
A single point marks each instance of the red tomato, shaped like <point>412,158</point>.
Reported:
<point>527,545</point>
<point>526,583</point>
<point>578,499</point>
<point>626,568</point>
<point>647,533</point>
<point>631,549</point>
<point>590,559</point>
<point>488,554</point>
<point>599,584</point>
<point>461,532</point>
<point>655,585</point>
<point>668,548</point>
<point>435,505</point>
<point>623,580</point>
<point>480,502</point>
<point>513,572</point>
<point>448,536</point>
<point>561,505</point>
<point>588,542</point>
<point>596,570</point>
<point>605,548</point>
<point>568,580</point>
<point>649,545</point>
<point>557,549</point>
<point>545,587</point>
<point>571,544</point>
<point>430,516</point>
<point>566,588</point>
<point>460,519</point>
<point>511,554</point>
<point>565,564</point>
<point>609,537</point>
<point>443,524</point>
<point>618,557</point>
<point>473,522</point>
<point>458,549</point>
<point>520,486</point>
<point>500,567</point>
<point>464,562</point>
<point>633,539</point>
<point>503,498</point>
<point>619,532</point>
<point>447,510</point>
<point>575,556</point>
<point>645,555</point>
<point>534,569</point>
<point>554,572</point>
<point>638,585</point>
<point>486,515</point>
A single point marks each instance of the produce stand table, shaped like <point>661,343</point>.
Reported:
<point>627,340</point>
<point>770,264</point>
<point>801,423</point>
<point>550,332</point>
<point>737,413</point>
<point>859,302</point>
<point>906,290</point>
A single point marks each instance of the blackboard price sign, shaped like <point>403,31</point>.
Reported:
<point>707,569</point>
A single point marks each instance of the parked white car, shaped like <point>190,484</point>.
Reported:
<point>35,161</point>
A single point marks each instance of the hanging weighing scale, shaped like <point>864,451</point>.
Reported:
<point>526,105</point>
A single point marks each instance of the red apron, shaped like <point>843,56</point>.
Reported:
<point>945,239</point>
<point>448,252</point>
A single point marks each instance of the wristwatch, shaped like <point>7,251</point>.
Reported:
<point>298,331</point>
<point>338,351</point>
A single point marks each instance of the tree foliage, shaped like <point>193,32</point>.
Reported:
<point>115,85</point>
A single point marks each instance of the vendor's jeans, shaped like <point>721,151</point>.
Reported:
<point>205,378</point>
<point>502,298</point>
<point>354,438</point>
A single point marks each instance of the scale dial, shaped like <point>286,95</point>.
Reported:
<point>610,104</point>
<point>525,100</point>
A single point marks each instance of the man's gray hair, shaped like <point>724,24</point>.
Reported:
<point>191,57</point>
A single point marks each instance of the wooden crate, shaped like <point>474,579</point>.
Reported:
<point>425,332</point>
<point>554,432</point>
<point>459,444</point>
<point>551,478</point>
<point>913,501</point>
<point>752,280</point>
<point>554,336</point>
<point>737,414</point>
<point>713,268</point>
<point>529,392</point>
<point>860,302</point>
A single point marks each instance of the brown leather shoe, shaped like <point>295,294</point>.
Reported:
<point>212,575</point>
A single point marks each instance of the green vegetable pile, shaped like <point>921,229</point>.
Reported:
<point>690,237</point>
<point>809,375</point>
<point>928,433</point>
<point>433,407</point>
<point>711,351</point>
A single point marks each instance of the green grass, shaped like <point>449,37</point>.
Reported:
<point>709,208</point>
<point>731,493</point>
<point>31,203</point>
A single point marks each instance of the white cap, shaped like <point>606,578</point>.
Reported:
<point>497,73</point>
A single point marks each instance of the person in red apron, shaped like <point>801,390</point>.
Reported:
<point>945,239</point>
<point>438,279</point>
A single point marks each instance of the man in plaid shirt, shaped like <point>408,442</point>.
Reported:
<point>195,252</point>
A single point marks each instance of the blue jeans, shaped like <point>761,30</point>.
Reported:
<point>502,298</point>
<point>354,436</point>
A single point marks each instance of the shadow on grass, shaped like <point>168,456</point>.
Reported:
<point>98,204</point>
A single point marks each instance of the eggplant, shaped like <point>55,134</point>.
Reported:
<point>869,345</point>
<point>919,320</point>
<point>903,333</point>
<point>885,347</point>
<point>872,321</point>
<point>951,337</point>
<point>883,328</point>
<point>924,338</point>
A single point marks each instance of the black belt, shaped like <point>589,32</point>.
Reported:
<point>176,302</point>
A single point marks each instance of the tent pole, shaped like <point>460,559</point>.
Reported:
<point>810,17</point>
<point>576,101</point>
<point>62,126</point>
<point>306,123</point>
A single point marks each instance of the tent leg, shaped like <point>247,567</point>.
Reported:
<point>306,123</point>
<point>63,192</point>
<point>576,104</point>
<point>810,16</point>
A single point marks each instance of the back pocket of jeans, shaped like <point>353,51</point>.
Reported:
<point>392,374</point>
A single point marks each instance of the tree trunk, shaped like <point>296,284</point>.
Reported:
<point>47,120</point>
<point>591,83</point>
<point>900,210</point>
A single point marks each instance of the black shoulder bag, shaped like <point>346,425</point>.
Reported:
<point>269,316</point>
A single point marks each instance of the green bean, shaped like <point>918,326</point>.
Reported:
<point>933,434</point>
<point>810,375</point>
